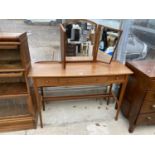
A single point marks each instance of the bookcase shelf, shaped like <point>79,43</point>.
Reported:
<point>9,43</point>
<point>11,74</point>
<point>13,107</point>
<point>13,90</point>
<point>11,67</point>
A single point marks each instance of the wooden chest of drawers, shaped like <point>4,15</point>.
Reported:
<point>139,100</point>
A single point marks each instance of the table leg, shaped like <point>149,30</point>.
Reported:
<point>118,95</point>
<point>122,91</point>
<point>38,103</point>
<point>109,94</point>
<point>42,94</point>
<point>131,128</point>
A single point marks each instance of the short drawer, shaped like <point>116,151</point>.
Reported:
<point>150,96</point>
<point>148,107</point>
<point>68,81</point>
<point>146,119</point>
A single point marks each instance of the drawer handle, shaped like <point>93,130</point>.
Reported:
<point>153,106</point>
<point>149,118</point>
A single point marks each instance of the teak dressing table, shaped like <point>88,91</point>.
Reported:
<point>51,74</point>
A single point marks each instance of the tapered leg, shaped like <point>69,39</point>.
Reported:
<point>42,94</point>
<point>109,94</point>
<point>116,106</point>
<point>131,128</point>
<point>38,102</point>
<point>41,121</point>
<point>122,91</point>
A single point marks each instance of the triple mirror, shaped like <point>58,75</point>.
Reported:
<point>84,40</point>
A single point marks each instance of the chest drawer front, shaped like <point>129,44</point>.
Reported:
<point>146,119</point>
<point>150,96</point>
<point>68,81</point>
<point>148,107</point>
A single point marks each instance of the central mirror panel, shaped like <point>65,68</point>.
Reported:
<point>80,40</point>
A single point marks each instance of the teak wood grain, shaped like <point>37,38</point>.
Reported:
<point>86,69</point>
<point>146,67</point>
<point>48,74</point>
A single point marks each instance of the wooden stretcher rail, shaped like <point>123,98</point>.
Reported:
<point>56,98</point>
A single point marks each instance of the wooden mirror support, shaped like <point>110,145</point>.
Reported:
<point>63,45</point>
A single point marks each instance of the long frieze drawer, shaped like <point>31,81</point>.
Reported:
<point>148,107</point>
<point>78,80</point>
<point>146,119</point>
<point>150,96</point>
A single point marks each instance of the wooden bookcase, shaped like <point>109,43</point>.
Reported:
<point>16,107</point>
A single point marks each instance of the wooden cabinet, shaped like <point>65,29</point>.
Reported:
<point>139,101</point>
<point>16,107</point>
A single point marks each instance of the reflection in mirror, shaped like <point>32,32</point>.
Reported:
<point>108,41</point>
<point>80,39</point>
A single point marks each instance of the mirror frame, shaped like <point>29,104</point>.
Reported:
<point>100,27</point>
<point>63,45</point>
<point>82,58</point>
